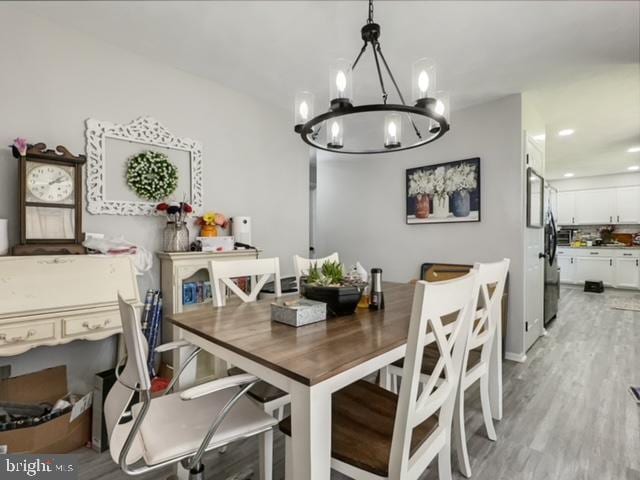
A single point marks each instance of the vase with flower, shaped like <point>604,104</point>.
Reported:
<point>209,223</point>
<point>176,233</point>
<point>464,180</point>
<point>443,186</point>
<point>421,187</point>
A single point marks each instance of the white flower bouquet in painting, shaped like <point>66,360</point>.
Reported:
<point>444,193</point>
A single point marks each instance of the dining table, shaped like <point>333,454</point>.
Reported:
<point>310,362</point>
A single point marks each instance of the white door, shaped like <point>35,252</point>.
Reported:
<point>566,208</point>
<point>595,206</point>
<point>627,272</point>
<point>595,268</point>
<point>534,263</point>
<point>567,269</point>
<point>628,205</point>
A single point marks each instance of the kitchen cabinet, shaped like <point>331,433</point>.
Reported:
<point>628,205</point>
<point>594,207</point>
<point>566,208</point>
<point>627,273</point>
<point>567,269</point>
<point>619,205</point>
<point>595,267</point>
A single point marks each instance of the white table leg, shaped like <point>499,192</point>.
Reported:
<point>188,377</point>
<point>495,368</point>
<point>311,432</point>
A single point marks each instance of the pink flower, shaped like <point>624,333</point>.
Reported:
<point>221,220</point>
<point>21,145</point>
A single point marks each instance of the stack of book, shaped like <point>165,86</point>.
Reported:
<point>196,292</point>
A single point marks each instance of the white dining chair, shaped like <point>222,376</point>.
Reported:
<point>271,399</point>
<point>477,356</point>
<point>377,434</point>
<point>302,265</point>
<point>175,427</point>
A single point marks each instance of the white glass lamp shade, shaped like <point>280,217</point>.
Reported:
<point>335,133</point>
<point>423,78</point>
<point>303,107</point>
<point>341,80</point>
<point>392,130</point>
<point>441,107</point>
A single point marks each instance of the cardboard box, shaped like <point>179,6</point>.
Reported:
<point>63,434</point>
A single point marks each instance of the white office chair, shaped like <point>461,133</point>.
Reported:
<point>302,265</point>
<point>176,427</point>
<point>271,399</point>
<point>379,435</point>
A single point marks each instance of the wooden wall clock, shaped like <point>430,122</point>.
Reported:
<point>50,202</point>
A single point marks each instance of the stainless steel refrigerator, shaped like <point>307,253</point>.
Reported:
<point>551,269</point>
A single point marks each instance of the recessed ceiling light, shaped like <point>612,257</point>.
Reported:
<point>568,175</point>
<point>633,167</point>
<point>540,137</point>
<point>634,150</point>
<point>566,132</point>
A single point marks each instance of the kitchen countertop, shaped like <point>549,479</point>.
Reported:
<point>611,247</point>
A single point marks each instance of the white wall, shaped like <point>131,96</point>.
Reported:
<point>600,181</point>
<point>54,79</point>
<point>361,204</point>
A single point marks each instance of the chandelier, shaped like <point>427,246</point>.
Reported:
<point>379,124</point>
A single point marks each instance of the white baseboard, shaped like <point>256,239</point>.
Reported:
<point>515,357</point>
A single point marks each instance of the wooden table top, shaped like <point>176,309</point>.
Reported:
<point>311,353</point>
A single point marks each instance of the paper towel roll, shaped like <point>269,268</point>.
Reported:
<point>241,229</point>
<point>4,236</point>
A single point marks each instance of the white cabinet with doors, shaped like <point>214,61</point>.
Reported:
<point>595,206</point>
<point>627,269</point>
<point>566,208</point>
<point>628,205</point>
<point>595,267</point>
<point>598,206</point>
<point>616,267</point>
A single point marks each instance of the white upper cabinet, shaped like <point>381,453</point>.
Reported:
<point>599,206</point>
<point>628,205</point>
<point>595,206</point>
<point>566,208</point>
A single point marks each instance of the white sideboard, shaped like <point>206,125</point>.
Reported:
<point>176,268</point>
<point>52,300</point>
<point>616,267</point>
<point>619,205</point>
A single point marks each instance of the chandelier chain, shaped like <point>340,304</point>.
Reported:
<point>375,56</point>
<point>370,18</point>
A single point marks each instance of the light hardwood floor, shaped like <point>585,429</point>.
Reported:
<point>567,412</point>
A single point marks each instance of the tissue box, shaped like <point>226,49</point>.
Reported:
<point>298,312</point>
<point>216,244</point>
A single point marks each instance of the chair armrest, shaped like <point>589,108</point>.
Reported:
<point>167,347</point>
<point>217,385</point>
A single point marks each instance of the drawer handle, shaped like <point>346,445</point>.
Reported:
<point>30,333</point>
<point>627,254</point>
<point>96,326</point>
<point>594,253</point>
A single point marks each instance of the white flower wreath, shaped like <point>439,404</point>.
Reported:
<point>152,176</point>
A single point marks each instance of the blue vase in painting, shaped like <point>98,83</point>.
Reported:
<point>460,203</point>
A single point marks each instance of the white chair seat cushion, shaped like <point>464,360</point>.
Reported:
<point>174,427</point>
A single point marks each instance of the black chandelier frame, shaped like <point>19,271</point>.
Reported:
<point>342,107</point>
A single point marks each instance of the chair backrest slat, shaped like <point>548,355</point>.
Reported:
<point>302,265</point>
<point>432,302</point>
<point>222,274</point>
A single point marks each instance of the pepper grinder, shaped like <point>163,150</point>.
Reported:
<point>376,296</point>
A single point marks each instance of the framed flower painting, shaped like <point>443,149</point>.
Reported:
<point>444,193</point>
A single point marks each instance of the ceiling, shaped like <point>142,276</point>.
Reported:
<point>565,51</point>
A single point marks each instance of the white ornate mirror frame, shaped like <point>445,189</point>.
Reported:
<point>144,130</point>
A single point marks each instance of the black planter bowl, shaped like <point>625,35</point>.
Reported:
<point>340,300</point>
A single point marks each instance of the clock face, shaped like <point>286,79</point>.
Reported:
<point>50,183</point>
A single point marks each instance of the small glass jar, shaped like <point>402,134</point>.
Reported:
<point>176,237</point>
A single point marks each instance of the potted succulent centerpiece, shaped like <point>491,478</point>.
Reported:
<point>330,285</point>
